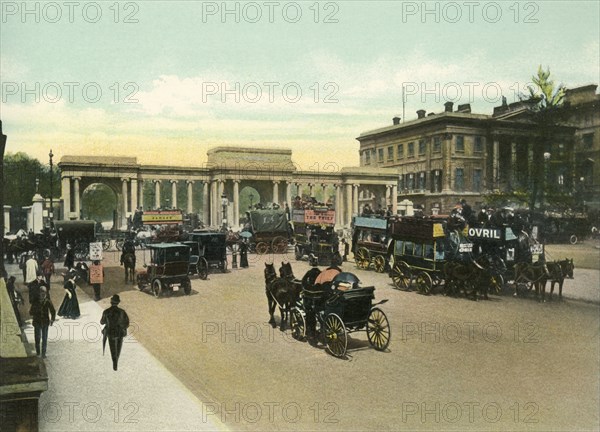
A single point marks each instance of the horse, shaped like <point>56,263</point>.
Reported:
<point>281,292</point>
<point>559,271</point>
<point>535,275</point>
<point>129,264</point>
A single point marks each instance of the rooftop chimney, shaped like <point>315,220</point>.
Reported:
<point>396,120</point>
<point>464,108</point>
<point>421,113</point>
<point>448,106</point>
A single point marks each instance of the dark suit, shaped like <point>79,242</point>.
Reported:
<point>116,322</point>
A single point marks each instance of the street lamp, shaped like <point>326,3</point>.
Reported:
<point>51,213</point>
<point>224,203</point>
<point>251,198</point>
<point>37,185</point>
<point>547,156</point>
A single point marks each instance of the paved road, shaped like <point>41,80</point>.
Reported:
<point>453,364</point>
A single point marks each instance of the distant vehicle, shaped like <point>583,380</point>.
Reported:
<point>370,243</point>
<point>167,270</point>
<point>314,234</point>
<point>270,230</point>
<point>78,234</point>
<point>211,249</point>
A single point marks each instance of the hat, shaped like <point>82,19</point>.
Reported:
<point>115,299</point>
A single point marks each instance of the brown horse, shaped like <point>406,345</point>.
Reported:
<point>532,275</point>
<point>281,292</point>
<point>559,271</point>
<point>129,264</point>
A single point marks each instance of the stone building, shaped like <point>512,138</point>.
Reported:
<point>443,157</point>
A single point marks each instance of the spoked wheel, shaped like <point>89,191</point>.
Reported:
<point>378,329</point>
<point>496,284</point>
<point>424,283</point>
<point>298,253</point>
<point>119,243</point>
<point>105,244</point>
<point>298,324</point>
<point>362,258</point>
<point>187,287</point>
<point>401,276</point>
<point>573,239</point>
<point>379,263</point>
<point>202,268</point>
<point>262,248</point>
<point>156,287</point>
<point>336,338</point>
<point>279,245</point>
<point>81,251</point>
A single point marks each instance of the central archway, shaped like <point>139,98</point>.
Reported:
<point>99,202</point>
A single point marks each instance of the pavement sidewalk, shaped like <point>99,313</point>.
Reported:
<point>85,394</point>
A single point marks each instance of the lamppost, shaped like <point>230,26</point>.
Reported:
<point>547,157</point>
<point>51,212</point>
<point>251,196</point>
<point>167,201</point>
<point>224,203</point>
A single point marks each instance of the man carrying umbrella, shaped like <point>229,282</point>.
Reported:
<point>116,322</point>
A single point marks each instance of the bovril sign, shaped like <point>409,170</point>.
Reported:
<point>485,233</point>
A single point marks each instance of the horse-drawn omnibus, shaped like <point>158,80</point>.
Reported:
<point>270,230</point>
<point>314,234</point>
<point>370,243</point>
<point>77,233</point>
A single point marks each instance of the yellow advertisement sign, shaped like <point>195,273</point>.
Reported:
<point>162,217</point>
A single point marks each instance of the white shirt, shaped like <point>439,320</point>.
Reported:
<point>31,269</point>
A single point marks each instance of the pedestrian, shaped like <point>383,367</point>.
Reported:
<point>69,307</point>
<point>31,269</point>
<point>15,298</point>
<point>34,288</point>
<point>116,322</point>
<point>346,249</point>
<point>244,254</point>
<point>96,278</point>
<point>48,270</point>
<point>43,314</point>
<point>342,249</point>
<point>69,257</point>
<point>22,265</point>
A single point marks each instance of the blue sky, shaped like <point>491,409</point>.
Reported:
<point>172,62</point>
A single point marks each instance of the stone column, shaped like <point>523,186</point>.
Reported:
<point>156,193</point>
<point>288,194</point>
<point>141,194</point>
<point>513,165</point>
<point>220,192</point>
<point>77,197</point>
<point>190,191</point>
<point>134,195</point>
<point>388,192</point>
<point>205,204</point>
<point>312,189</point>
<point>348,204</point>
<point>213,204</point>
<point>395,198</point>
<point>66,197</point>
<point>355,199</point>
<point>275,191</point>
<point>236,204</point>
<point>124,186</point>
<point>173,193</point>
<point>325,197</point>
<point>495,162</point>
<point>338,205</point>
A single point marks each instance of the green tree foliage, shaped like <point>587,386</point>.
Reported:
<point>20,174</point>
<point>98,202</point>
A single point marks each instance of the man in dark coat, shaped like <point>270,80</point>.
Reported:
<point>116,322</point>
<point>69,258</point>
<point>43,313</point>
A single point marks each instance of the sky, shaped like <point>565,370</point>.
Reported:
<point>166,81</point>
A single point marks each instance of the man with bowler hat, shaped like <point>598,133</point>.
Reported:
<point>116,322</point>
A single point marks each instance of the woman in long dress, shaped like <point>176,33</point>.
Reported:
<point>69,307</point>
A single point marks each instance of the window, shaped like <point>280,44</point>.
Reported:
<point>411,149</point>
<point>437,144</point>
<point>422,181</point>
<point>367,157</point>
<point>588,140</point>
<point>401,183</point>
<point>422,147</point>
<point>436,181</point>
<point>418,250</point>
<point>380,154</point>
<point>408,248</point>
<point>478,148</point>
<point>390,153</point>
<point>428,251</point>
<point>410,183</point>
<point>400,151</point>
<point>477,176</point>
<point>460,143</point>
<point>459,179</point>
<point>399,247</point>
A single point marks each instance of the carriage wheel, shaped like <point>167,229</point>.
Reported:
<point>106,244</point>
<point>378,329</point>
<point>496,284</point>
<point>379,263</point>
<point>81,252</point>
<point>336,339</point>
<point>424,283</point>
<point>119,243</point>
<point>573,239</point>
<point>362,258</point>
<point>262,248</point>
<point>279,245</point>
<point>187,287</point>
<point>298,253</point>
<point>156,287</point>
<point>298,324</point>
<point>202,268</point>
<point>401,276</point>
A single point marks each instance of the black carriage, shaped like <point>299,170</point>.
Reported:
<point>269,229</point>
<point>211,251</point>
<point>339,308</point>
<point>79,234</point>
<point>561,228</point>
<point>370,243</point>
<point>314,234</point>
<point>167,271</point>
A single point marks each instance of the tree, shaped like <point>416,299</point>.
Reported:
<point>20,174</point>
